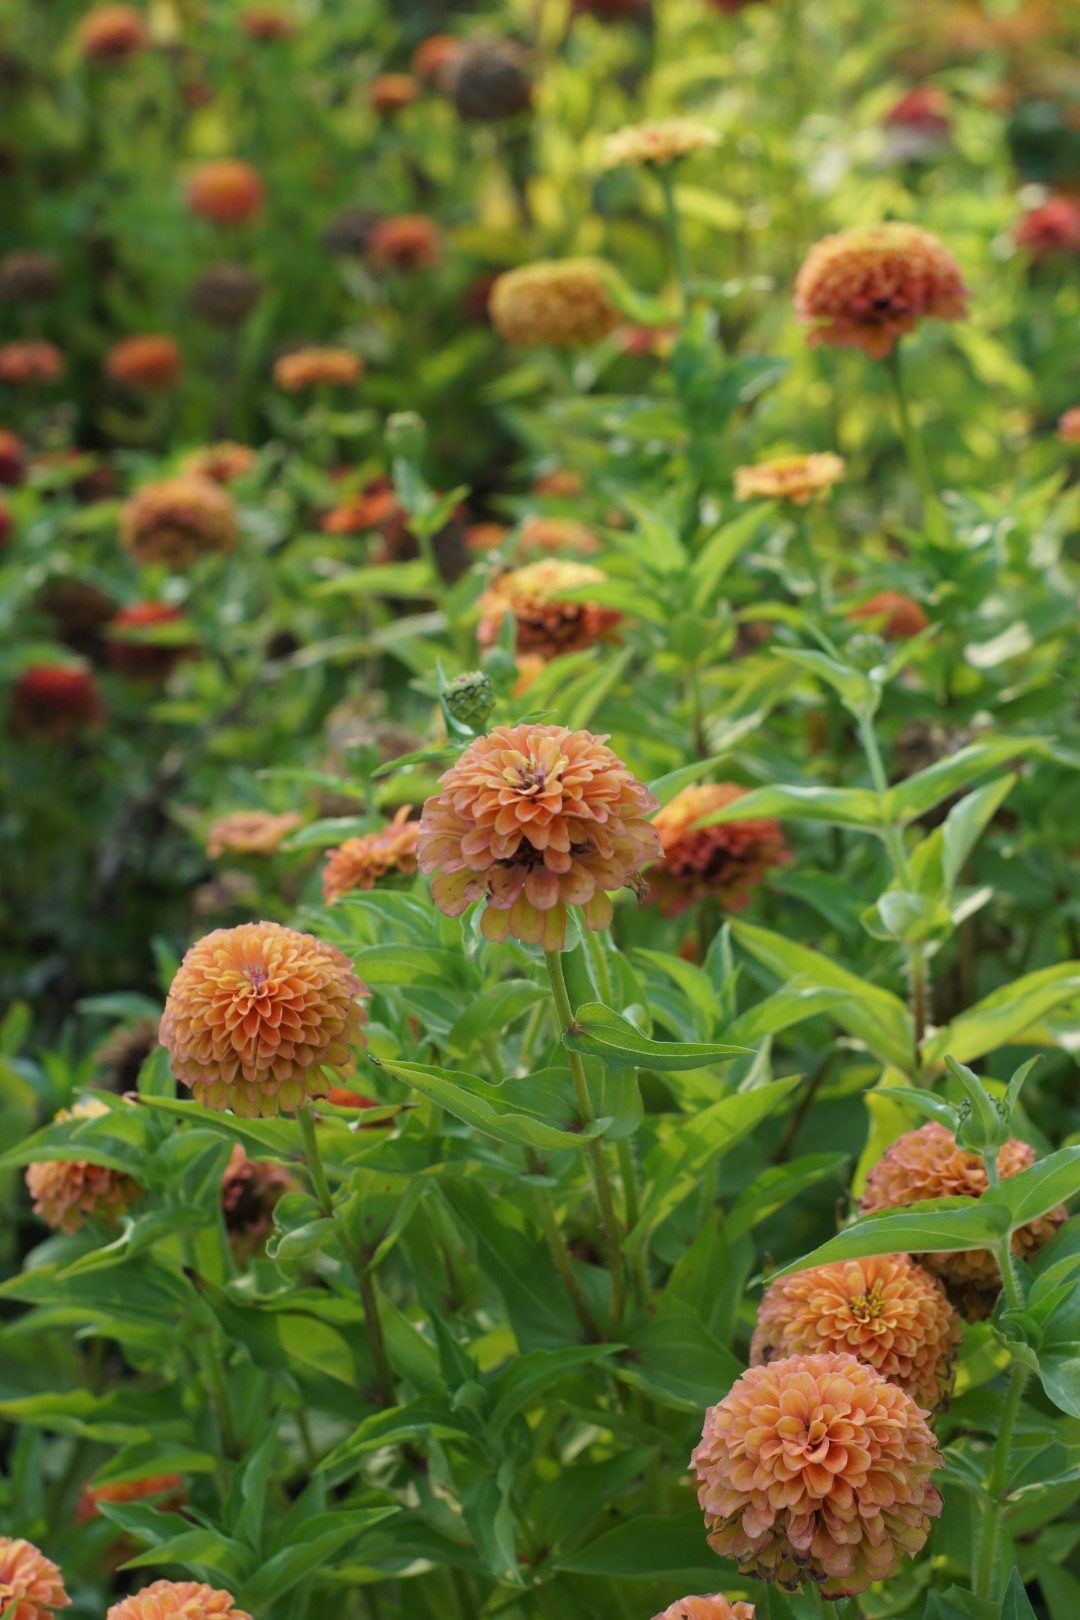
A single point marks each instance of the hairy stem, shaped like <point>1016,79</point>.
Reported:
<point>986,1567</point>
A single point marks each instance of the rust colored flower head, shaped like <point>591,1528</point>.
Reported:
<point>249,1191</point>
<point>658,143</point>
<point>481,537</point>
<point>489,80</point>
<point>260,1019</point>
<point>814,1468</point>
<point>534,819</point>
<point>1051,228</point>
<point>225,294</point>
<point>725,862</point>
<point>1068,431</point>
<point>798,479</point>
<point>177,520</point>
<point>227,191</point>
<point>923,109</point>
<point>707,1608</point>
<point>391,92</point>
<point>266,24</point>
<point>434,57</point>
<point>55,702</point>
<point>407,242</point>
<point>148,364</point>
<point>131,647</point>
<point>360,863</point>
<point>564,302</point>
<point>12,459</point>
<point>885,1310</point>
<point>28,277</point>
<point>23,364</point>
<point>150,1487</point>
<point>900,616</point>
<point>112,34</point>
<point>31,1586</point>
<point>547,622</point>
<point>67,1192</point>
<point>251,832</point>
<point>220,463</point>
<point>178,1600</point>
<point>927,1163</point>
<point>316,368</point>
<point>867,287</point>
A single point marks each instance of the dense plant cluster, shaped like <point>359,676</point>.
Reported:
<point>541,950</point>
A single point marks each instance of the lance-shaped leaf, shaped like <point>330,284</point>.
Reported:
<point>804,801</point>
<point>1036,1191</point>
<point>602,1033</point>
<point>934,1226</point>
<point>477,1102</point>
<point>1006,1015</point>
<point>921,792</point>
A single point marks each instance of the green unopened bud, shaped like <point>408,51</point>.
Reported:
<point>866,651</point>
<point>406,435</point>
<point>470,699</point>
<point>983,1126</point>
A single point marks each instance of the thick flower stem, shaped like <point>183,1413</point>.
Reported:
<point>320,1186</point>
<point>601,1179</point>
<point>984,1574</point>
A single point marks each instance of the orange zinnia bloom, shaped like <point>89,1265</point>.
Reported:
<point>867,287</point>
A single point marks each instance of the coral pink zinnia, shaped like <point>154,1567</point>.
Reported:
<point>249,1190</point>
<point>66,1192</point>
<point>1052,227</point>
<point>707,1608</point>
<point>865,288</point>
<point>31,1586</point>
<point>260,1018</point>
<point>534,819</point>
<point>725,862</point>
<point>178,1600</point>
<point>814,1468</point>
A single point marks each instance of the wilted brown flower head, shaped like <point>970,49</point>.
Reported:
<point>55,702</point>
<point>265,24</point>
<point>924,108</point>
<point>798,479</point>
<point>434,57</point>
<point>66,1192</point>
<point>660,143</point>
<point>251,832</point>
<point>169,1486</point>
<point>885,1310</point>
<point>12,459</point>
<point>1053,227</point>
<point>225,294</point>
<point>927,1163</point>
<point>547,622</point>
<point>31,1586</point>
<point>390,92</point>
<point>865,288</point>
<point>249,1191</point>
<point>226,191</point>
<point>259,1018</point>
<point>565,302</point>
<point>1068,430</point>
<point>22,364</point>
<point>177,1600</point>
<point>112,33</point>
<point>150,363</point>
<point>408,242</point>
<point>177,520</point>
<point>814,1468</point>
<point>27,277</point>
<point>144,659</point>
<point>725,862</point>
<point>489,80</point>
<point>707,1608</point>
<point>359,863</point>
<point>315,368</point>
<point>350,231</point>
<point>902,617</point>
<point>220,463</point>
<point>534,819</point>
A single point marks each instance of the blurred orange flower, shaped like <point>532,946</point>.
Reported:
<point>67,1192</point>
<point>143,660</point>
<point>866,287</point>
<point>178,520</point>
<point>798,479</point>
<point>314,368</point>
<point>251,832</point>
<point>31,1586</point>
<point>226,191</point>
<point>55,701</point>
<point>35,361</point>
<point>546,622</point>
<point>901,616</point>
<point>151,362</point>
<point>725,862</point>
<point>112,33</point>
<point>405,242</point>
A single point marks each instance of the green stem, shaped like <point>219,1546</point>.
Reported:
<point>911,439</point>
<point>675,240</point>
<point>601,1179</point>
<point>810,562</point>
<point>632,1208</point>
<point>207,1355</point>
<point>560,1256</point>
<point>997,1479</point>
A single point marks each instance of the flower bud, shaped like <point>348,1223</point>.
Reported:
<point>470,699</point>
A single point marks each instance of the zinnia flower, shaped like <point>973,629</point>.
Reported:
<point>798,479</point>
<point>407,242</point>
<point>251,832</point>
<point>12,459</point>
<point>151,363</point>
<point>1053,227</point>
<point>923,109</point>
<point>533,819</point>
<point>488,80</point>
<point>112,33</point>
<point>1068,430</point>
<point>564,302</point>
<point>169,1486</point>
<point>260,1019</point>
<point>226,191</point>
<point>264,24</point>
<point>814,1468</point>
<point>55,701</point>
<point>707,1608</point>
<point>867,287</point>
<point>542,535</point>
<point>28,277</point>
<point>177,1600</point>
<point>226,293</point>
<point>66,1192</point>
<point>249,1191</point>
<point>547,623</point>
<point>220,463</point>
<point>178,520</point>
<point>390,92</point>
<point>22,364</point>
<point>725,862</point>
<point>927,1163</point>
<point>901,616</point>
<point>885,1310</point>
<point>434,57</point>
<point>660,143</point>
<point>143,659</point>
<point>359,863</point>
<point>313,368</point>
<point>29,1581</point>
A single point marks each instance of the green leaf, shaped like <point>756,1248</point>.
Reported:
<point>322,1537</point>
<point>605,1034</point>
<point>777,1186</point>
<point>855,690</point>
<point>418,1419</point>
<point>934,1226</point>
<point>927,1103</point>
<point>480,1104</point>
<point>1059,1356</point>
<point>1038,1190</point>
<point>671,1545</point>
<point>804,801</point>
<point>664,788</point>
<point>1016,1605</point>
<point>1003,1017</point>
<point>964,825</point>
<point>908,800</point>
<point>521,1383</point>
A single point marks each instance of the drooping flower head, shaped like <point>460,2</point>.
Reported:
<point>547,621</point>
<point>927,1163</point>
<point>251,832</point>
<point>261,1018</point>
<point>564,302</point>
<point>150,363</point>
<point>798,479</point>
<point>67,1192</point>
<point>535,819</point>
<point>901,616</point>
<point>359,863</point>
<point>34,361</point>
<point>133,652</point>
<point>55,701</point>
<point>488,80</point>
<point>659,143</point>
<point>707,1608</point>
<point>226,191</point>
<point>177,520</point>
<point>178,1600</point>
<point>865,288</point>
<point>112,34</point>
<point>815,1469</point>
<point>314,368</point>
<point>249,1191</point>
<point>725,862</point>
<point>405,242</point>
<point>1051,228</point>
<point>885,1310</point>
<point>29,1581</point>
<point>226,293</point>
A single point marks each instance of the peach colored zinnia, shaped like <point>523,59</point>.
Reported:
<point>547,622</point>
<point>534,819</point>
<point>313,368</point>
<point>865,288</point>
<point>724,862</point>
<point>1068,428</point>
<point>798,479</point>
<point>34,361</point>
<point>112,33</point>
<point>251,832</point>
<point>261,1018</point>
<point>814,1468</point>
<point>31,1585</point>
<point>662,142</point>
<point>67,1192</point>
<point>707,1608</point>
<point>151,362</point>
<point>901,616</point>
<point>177,520</point>
<point>220,463</point>
<point>359,863</point>
<point>566,303</point>
<point>178,1600</point>
<point>226,191</point>
<point>884,1309</point>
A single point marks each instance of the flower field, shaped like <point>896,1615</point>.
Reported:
<point>540,786</point>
